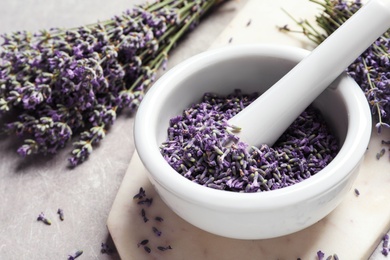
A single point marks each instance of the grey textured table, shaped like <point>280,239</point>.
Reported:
<point>44,184</point>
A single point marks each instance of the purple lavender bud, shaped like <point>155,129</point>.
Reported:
<point>381,153</point>
<point>75,255</point>
<point>164,248</point>
<point>148,202</point>
<point>141,194</point>
<point>60,213</point>
<point>159,219</point>
<point>147,249</point>
<point>144,217</point>
<point>320,255</point>
<point>143,242</point>
<point>106,249</point>
<point>25,150</point>
<point>156,231</point>
<point>41,217</point>
<point>357,192</point>
<point>385,240</point>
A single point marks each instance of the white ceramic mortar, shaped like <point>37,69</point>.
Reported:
<point>250,215</point>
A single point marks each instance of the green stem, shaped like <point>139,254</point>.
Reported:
<point>372,87</point>
<point>157,6</point>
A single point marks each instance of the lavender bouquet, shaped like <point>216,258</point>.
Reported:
<point>65,83</point>
<point>371,70</point>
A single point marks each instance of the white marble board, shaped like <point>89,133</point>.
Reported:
<point>352,231</point>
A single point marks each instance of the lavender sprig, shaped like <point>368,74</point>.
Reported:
<point>63,83</point>
<point>371,70</point>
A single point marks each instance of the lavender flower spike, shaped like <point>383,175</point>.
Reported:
<point>74,83</point>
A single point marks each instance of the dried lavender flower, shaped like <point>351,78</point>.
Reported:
<point>357,192</point>
<point>106,249</point>
<point>148,202</point>
<point>320,255</point>
<point>143,214</point>
<point>385,240</point>
<point>75,82</point>
<point>143,242</point>
<point>381,153</point>
<point>147,249</point>
<point>156,231</point>
<point>196,148</point>
<point>164,248</point>
<point>159,219</point>
<point>76,255</point>
<point>141,194</point>
<point>41,217</point>
<point>60,213</point>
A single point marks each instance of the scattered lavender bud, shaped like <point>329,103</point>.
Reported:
<point>60,213</point>
<point>164,248</point>
<point>386,142</point>
<point>385,251</point>
<point>76,255</point>
<point>41,217</point>
<point>249,23</point>
<point>143,242</point>
<point>156,231</point>
<point>141,194</point>
<point>329,257</point>
<point>148,202</point>
<point>106,249</point>
<point>357,192</point>
<point>386,240</point>
<point>284,28</point>
<point>380,154</point>
<point>230,39</point>
<point>320,255</point>
<point>147,249</point>
<point>143,214</point>
<point>159,219</point>
<point>335,257</point>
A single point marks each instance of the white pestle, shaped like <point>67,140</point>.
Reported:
<point>265,120</point>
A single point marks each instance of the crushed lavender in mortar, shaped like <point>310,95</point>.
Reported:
<point>196,147</point>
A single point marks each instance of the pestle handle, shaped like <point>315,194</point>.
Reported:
<point>265,120</point>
